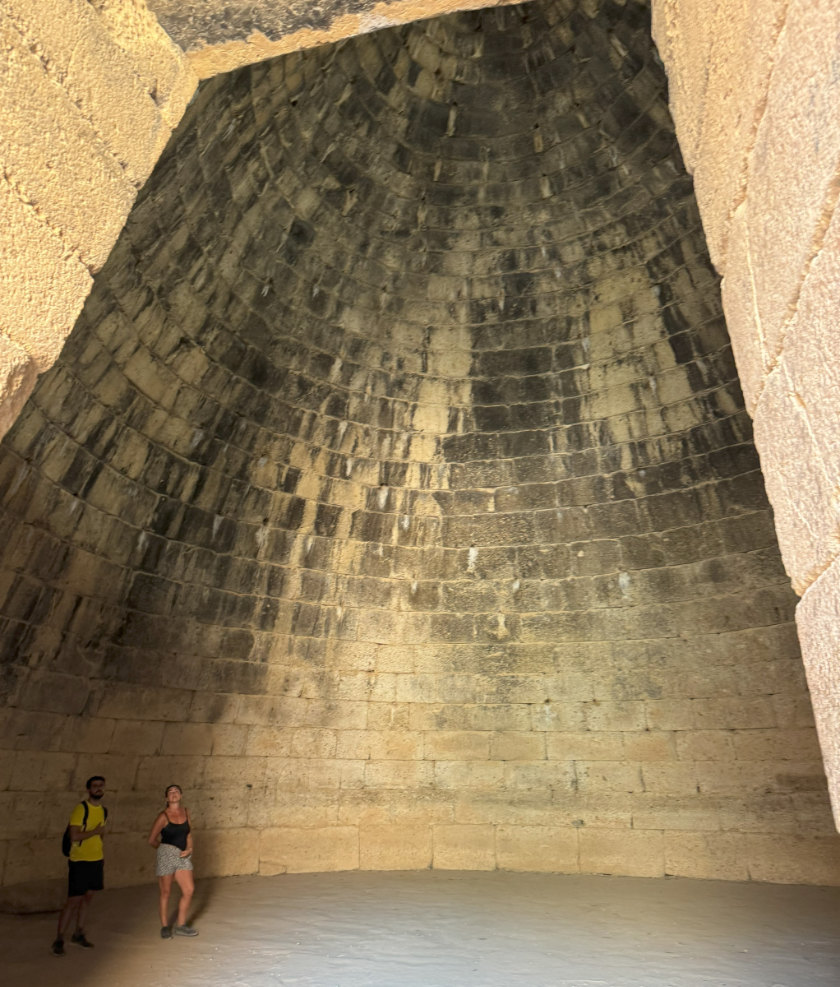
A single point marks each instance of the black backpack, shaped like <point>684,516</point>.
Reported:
<point>66,842</point>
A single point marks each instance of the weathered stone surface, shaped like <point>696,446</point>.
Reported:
<point>395,485</point>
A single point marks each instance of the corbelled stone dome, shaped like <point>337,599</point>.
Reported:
<point>396,486</point>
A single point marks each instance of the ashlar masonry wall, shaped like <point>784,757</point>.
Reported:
<point>395,495</point>
<point>394,492</point>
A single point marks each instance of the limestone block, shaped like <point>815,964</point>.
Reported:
<point>787,859</point>
<point>40,772</point>
<point>185,739</point>
<point>17,378</point>
<point>657,745</point>
<point>228,739</point>
<point>464,775</point>
<point>399,774</point>
<point>608,776</point>
<point>267,741</point>
<point>22,729</point>
<point>463,847</point>
<point>705,745</point>
<point>395,846</point>
<point>225,852</point>
<point>301,851</point>
<point>233,772</point>
<point>334,775</point>
<point>736,90</point>
<point>34,860</point>
<point>155,773</point>
<point>100,78</point>
<point>585,746</point>
<point>672,812</point>
<point>56,161</point>
<point>800,485</point>
<point>518,746</point>
<point>628,852</point>
<point>43,285</point>
<point>124,701</point>
<point>663,777</point>
<point>137,737</point>
<point>552,849</point>
<point>156,59</point>
<point>455,745</point>
<point>129,860</point>
<point>788,192</point>
<point>776,745</point>
<point>707,856</point>
<point>818,621</point>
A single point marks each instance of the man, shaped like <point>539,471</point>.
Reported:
<point>85,866</point>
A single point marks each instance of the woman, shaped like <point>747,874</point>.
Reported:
<point>172,837</point>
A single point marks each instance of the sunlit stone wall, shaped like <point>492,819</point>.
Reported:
<point>395,495</point>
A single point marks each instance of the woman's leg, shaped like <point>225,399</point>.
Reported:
<point>184,878</point>
<point>165,884</point>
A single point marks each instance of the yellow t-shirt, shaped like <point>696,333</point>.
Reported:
<point>88,849</point>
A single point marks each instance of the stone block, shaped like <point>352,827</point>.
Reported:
<point>226,852</point>
<point>627,852</point>
<point>518,746</point>
<point>156,772</point>
<point>705,745</point>
<point>736,91</point>
<point>663,777</point>
<point>40,772</point>
<point>302,851</point>
<point>788,192</point>
<point>546,849</point>
<point>395,846</point>
<point>594,777</point>
<point>399,774</point>
<point>706,856</point>
<point>672,812</point>
<point>463,847</point>
<point>187,739</point>
<point>456,745</point>
<point>228,739</point>
<point>18,373</point>
<point>54,157</point>
<point>585,746</point>
<point>43,285</point>
<point>789,859</point>
<point>136,737</point>
<point>464,775</point>
<point>22,729</point>
<point>91,735</point>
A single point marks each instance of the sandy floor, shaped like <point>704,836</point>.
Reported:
<point>443,929</point>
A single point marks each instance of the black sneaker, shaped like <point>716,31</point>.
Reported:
<point>81,940</point>
<point>165,932</point>
<point>57,947</point>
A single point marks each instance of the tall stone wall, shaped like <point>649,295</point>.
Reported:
<point>395,494</point>
<point>754,93</point>
<point>92,90</point>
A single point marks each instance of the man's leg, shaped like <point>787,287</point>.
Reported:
<point>79,935</point>
<point>66,918</point>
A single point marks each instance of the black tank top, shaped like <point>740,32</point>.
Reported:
<point>175,834</point>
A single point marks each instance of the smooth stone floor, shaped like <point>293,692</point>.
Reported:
<point>446,929</point>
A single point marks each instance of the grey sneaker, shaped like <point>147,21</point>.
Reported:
<point>185,930</point>
<point>81,940</point>
<point>165,932</point>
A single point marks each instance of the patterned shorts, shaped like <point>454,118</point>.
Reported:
<point>169,860</point>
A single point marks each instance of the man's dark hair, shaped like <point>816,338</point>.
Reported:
<point>92,779</point>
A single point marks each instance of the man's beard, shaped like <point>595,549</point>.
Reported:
<point>97,796</point>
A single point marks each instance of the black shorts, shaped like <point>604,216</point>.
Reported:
<point>84,876</point>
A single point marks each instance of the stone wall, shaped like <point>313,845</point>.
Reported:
<point>96,88</point>
<point>754,93</point>
<point>395,493</point>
